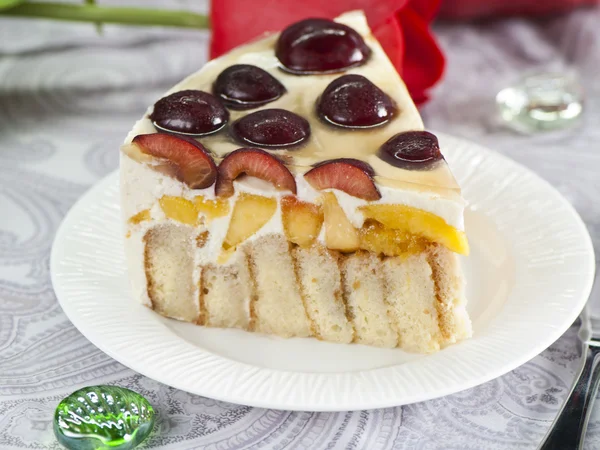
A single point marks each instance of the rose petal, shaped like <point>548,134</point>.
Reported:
<point>470,9</point>
<point>423,63</point>
<point>391,38</point>
<point>231,26</point>
<point>235,22</point>
<point>427,9</point>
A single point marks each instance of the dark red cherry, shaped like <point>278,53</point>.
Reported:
<point>411,150</point>
<point>190,112</point>
<point>365,167</point>
<point>352,176</point>
<point>243,86</point>
<point>352,101</point>
<point>320,46</point>
<point>271,128</point>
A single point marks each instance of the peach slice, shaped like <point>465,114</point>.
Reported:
<point>302,221</point>
<point>419,223</point>
<point>340,234</point>
<point>376,238</point>
<point>250,213</point>
<point>179,209</point>
<point>211,209</point>
<point>182,158</point>
<point>140,217</point>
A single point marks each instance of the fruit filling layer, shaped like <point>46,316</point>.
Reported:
<point>390,230</point>
<point>329,217</point>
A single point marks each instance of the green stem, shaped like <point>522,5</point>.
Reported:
<point>93,13</point>
<point>98,24</point>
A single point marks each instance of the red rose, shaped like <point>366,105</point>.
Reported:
<point>472,9</point>
<point>401,26</point>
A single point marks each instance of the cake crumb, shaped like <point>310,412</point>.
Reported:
<point>201,239</point>
<point>140,217</point>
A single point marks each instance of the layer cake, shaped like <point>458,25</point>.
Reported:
<point>289,188</point>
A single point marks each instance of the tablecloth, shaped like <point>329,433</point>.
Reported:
<point>68,96</point>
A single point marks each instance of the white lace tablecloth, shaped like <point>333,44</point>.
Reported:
<point>67,99</point>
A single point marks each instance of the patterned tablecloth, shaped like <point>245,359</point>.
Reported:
<point>67,99</point>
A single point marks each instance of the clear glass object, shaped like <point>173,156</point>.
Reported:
<point>541,102</point>
<point>103,417</point>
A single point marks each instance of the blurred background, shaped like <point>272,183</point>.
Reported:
<point>68,97</point>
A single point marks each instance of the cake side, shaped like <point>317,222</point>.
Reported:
<point>409,304</point>
<point>413,297</point>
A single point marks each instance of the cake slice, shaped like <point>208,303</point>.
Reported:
<point>289,188</point>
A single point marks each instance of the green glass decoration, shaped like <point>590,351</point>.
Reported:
<point>103,417</point>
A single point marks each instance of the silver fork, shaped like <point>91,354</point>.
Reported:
<point>568,429</point>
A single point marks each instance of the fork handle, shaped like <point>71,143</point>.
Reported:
<point>568,429</point>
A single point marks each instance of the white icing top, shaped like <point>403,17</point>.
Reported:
<point>326,142</point>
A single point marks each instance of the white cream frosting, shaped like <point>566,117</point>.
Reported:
<point>142,188</point>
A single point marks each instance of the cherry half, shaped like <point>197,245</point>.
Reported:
<point>362,165</point>
<point>320,46</point>
<point>352,101</point>
<point>244,86</point>
<point>411,150</point>
<point>271,128</point>
<point>190,112</point>
<point>256,163</point>
<point>352,176</point>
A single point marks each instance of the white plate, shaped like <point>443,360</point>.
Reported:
<point>529,275</point>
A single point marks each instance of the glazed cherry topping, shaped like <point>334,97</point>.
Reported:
<point>180,157</point>
<point>243,86</point>
<point>256,163</point>
<point>352,101</point>
<point>320,46</point>
<point>411,150</point>
<point>352,176</point>
<point>190,112</point>
<point>365,167</point>
<point>271,128</point>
